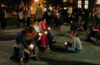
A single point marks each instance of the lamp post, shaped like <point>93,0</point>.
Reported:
<point>36,1</point>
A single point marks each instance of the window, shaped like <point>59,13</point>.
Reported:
<point>86,4</point>
<point>98,2</point>
<point>65,0</point>
<point>79,3</point>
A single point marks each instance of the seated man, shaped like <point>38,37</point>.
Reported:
<point>44,41</point>
<point>96,37</point>
<point>24,39</point>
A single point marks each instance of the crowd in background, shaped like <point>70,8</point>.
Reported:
<point>37,37</point>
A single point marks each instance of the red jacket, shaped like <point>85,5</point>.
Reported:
<point>44,40</point>
<point>43,26</point>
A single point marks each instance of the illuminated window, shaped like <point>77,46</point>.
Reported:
<point>98,2</point>
<point>86,4</point>
<point>79,3</point>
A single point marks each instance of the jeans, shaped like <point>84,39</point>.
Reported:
<point>73,49</point>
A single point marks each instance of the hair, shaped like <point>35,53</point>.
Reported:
<point>75,33</point>
<point>39,4</point>
<point>30,29</point>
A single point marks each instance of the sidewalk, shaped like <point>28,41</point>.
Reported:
<point>90,54</point>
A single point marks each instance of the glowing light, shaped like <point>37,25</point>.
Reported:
<point>98,2</point>
<point>66,43</point>
<point>36,0</point>
<point>86,5</point>
<point>46,32</point>
<point>80,4</point>
<point>2,5</point>
<point>65,8</point>
<point>45,9</point>
<point>50,8</point>
<point>40,34</point>
<point>49,28</point>
<point>31,8</point>
<point>57,14</point>
<point>31,46</point>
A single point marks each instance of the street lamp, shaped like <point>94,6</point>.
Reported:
<point>36,1</point>
<point>2,5</point>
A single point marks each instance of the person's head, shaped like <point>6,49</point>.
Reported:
<point>44,20</point>
<point>39,5</point>
<point>30,29</point>
<point>31,32</point>
<point>35,22</point>
<point>75,33</point>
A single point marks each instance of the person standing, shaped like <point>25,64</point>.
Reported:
<point>2,20</point>
<point>39,12</point>
<point>98,17</point>
<point>28,17</point>
<point>21,17</point>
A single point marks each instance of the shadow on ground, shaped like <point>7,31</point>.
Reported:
<point>57,62</point>
<point>7,38</point>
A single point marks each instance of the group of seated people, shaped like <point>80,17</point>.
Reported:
<point>34,38</point>
<point>38,38</point>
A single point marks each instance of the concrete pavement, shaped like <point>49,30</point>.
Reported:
<point>90,55</point>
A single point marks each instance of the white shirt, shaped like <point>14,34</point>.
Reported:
<point>77,43</point>
<point>21,15</point>
<point>36,28</point>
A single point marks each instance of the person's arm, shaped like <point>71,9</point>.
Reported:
<point>23,39</point>
<point>74,42</point>
<point>43,41</point>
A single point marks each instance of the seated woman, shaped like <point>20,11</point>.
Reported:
<point>43,24</point>
<point>44,41</point>
<point>76,43</point>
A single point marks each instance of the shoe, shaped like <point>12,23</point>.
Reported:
<point>36,58</point>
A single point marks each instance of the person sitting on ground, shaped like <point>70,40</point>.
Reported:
<point>22,39</point>
<point>44,41</point>
<point>76,43</point>
<point>93,31</point>
<point>35,26</point>
<point>96,37</point>
<point>50,37</point>
<point>39,25</point>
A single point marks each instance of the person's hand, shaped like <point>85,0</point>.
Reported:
<point>31,47</point>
